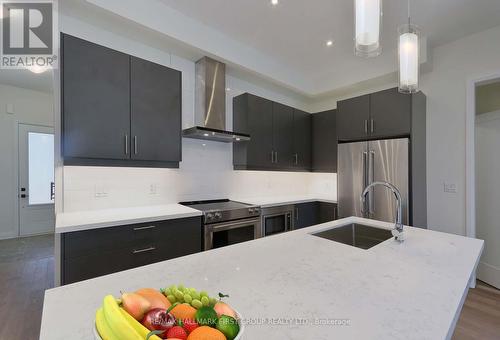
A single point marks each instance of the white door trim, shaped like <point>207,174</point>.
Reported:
<point>470,154</point>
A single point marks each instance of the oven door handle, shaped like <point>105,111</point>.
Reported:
<point>232,225</point>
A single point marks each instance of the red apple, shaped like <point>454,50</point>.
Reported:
<point>159,319</point>
<point>135,305</point>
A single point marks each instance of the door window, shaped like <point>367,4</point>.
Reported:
<point>40,168</point>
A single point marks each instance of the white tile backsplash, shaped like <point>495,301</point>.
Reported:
<point>206,172</point>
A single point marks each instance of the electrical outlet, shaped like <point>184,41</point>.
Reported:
<point>450,188</point>
<point>153,189</point>
<point>100,191</point>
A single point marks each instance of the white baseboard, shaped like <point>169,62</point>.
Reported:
<point>489,274</point>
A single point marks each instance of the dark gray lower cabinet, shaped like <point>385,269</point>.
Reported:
<point>312,213</point>
<point>91,253</point>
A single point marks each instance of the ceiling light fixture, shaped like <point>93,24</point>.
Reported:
<point>329,43</point>
<point>274,2</point>
<point>409,55</point>
<point>37,69</point>
<point>367,16</point>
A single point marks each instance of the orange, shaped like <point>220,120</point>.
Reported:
<point>206,333</point>
<point>155,298</point>
<point>183,311</point>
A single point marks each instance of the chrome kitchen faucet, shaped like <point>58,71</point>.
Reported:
<point>397,232</point>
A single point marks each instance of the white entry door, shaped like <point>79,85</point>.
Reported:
<point>36,180</point>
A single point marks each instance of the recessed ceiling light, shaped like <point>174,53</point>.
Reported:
<point>329,42</point>
<point>274,2</point>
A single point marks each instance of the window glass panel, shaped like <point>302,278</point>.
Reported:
<point>41,167</point>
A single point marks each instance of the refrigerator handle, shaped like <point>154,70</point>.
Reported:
<point>364,180</point>
<point>371,176</point>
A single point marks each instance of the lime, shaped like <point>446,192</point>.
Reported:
<point>228,326</point>
<point>206,316</point>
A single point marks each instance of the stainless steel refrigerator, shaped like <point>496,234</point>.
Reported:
<point>362,163</point>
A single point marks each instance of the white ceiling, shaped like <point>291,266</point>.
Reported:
<point>26,79</point>
<point>286,43</point>
<point>295,31</point>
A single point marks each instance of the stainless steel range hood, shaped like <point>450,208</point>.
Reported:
<point>210,104</point>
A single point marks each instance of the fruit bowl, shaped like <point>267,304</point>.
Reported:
<point>176,312</point>
<point>238,337</point>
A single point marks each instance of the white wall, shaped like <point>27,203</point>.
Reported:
<point>206,168</point>
<point>30,107</point>
<point>488,195</point>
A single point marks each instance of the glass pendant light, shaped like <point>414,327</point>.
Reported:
<point>409,55</point>
<point>367,31</point>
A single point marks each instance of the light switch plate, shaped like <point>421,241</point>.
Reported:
<point>9,108</point>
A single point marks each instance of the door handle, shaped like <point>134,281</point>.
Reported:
<point>272,156</point>
<point>126,144</point>
<point>296,159</point>
<point>138,251</point>
<point>144,228</point>
<point>135,145</point>
<point>372,125</point>
<point>296,214</point>
<point>366,125</point>
<point>371,176</point>
<point>364,179</point>
<point>276,152</point>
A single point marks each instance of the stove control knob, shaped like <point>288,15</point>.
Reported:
<point>209,216</point>
<point>256,210</point>
<point>251,211</point>
<point>218,215</point>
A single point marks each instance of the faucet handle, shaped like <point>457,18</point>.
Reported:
<point>398,235</point>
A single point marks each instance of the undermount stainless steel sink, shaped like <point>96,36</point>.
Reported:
<point>356,235</point>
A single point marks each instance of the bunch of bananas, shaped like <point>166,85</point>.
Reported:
<point>114,323</point>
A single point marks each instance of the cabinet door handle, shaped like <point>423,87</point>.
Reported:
<point>126,144</point>
<point>366,125</point>
<point>296,214</point>
<point>135,145</point>
<point>372,125</point>
<point>296,159</point>
<point>138,251</point>
<point>276,152</point>
<point>272,156</point>
<point>144,228</point>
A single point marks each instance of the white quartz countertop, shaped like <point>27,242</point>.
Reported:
<point>272,201</point>
<point>409,290</point>
<point>93,219</point>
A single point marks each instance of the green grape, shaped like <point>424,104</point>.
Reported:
<point>181,287</point>
<point>192,291</point>
<point>205,301</point>
<point>172,299</point>
<point>167,291</point>
<point>173,288</point>
<point>204,293</point>
<point>179,295</point>
<point>195,295</point>
<point>196,304</point>
<point>187,298</point>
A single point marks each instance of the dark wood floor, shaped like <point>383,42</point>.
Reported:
<point>27,270</point>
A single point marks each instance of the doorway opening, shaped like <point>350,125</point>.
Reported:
<point>487,185</point>
<point>36,180</point>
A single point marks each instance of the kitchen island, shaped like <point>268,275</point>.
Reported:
<point>299,286</point>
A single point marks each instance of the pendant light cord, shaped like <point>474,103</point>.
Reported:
<point>409,21</point>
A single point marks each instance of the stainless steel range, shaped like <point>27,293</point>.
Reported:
<point>227,222</point>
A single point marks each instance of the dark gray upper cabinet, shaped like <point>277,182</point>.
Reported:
<point>353,117</point>
<point>253,115</point>
<point>390,114</point>
<point>95,101</point>
<point>118,110</point>
<point>155,101</point>
<point>324,141</point>
<point>282,136</point>
<point>383,114</point>
<point>301,140</point>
